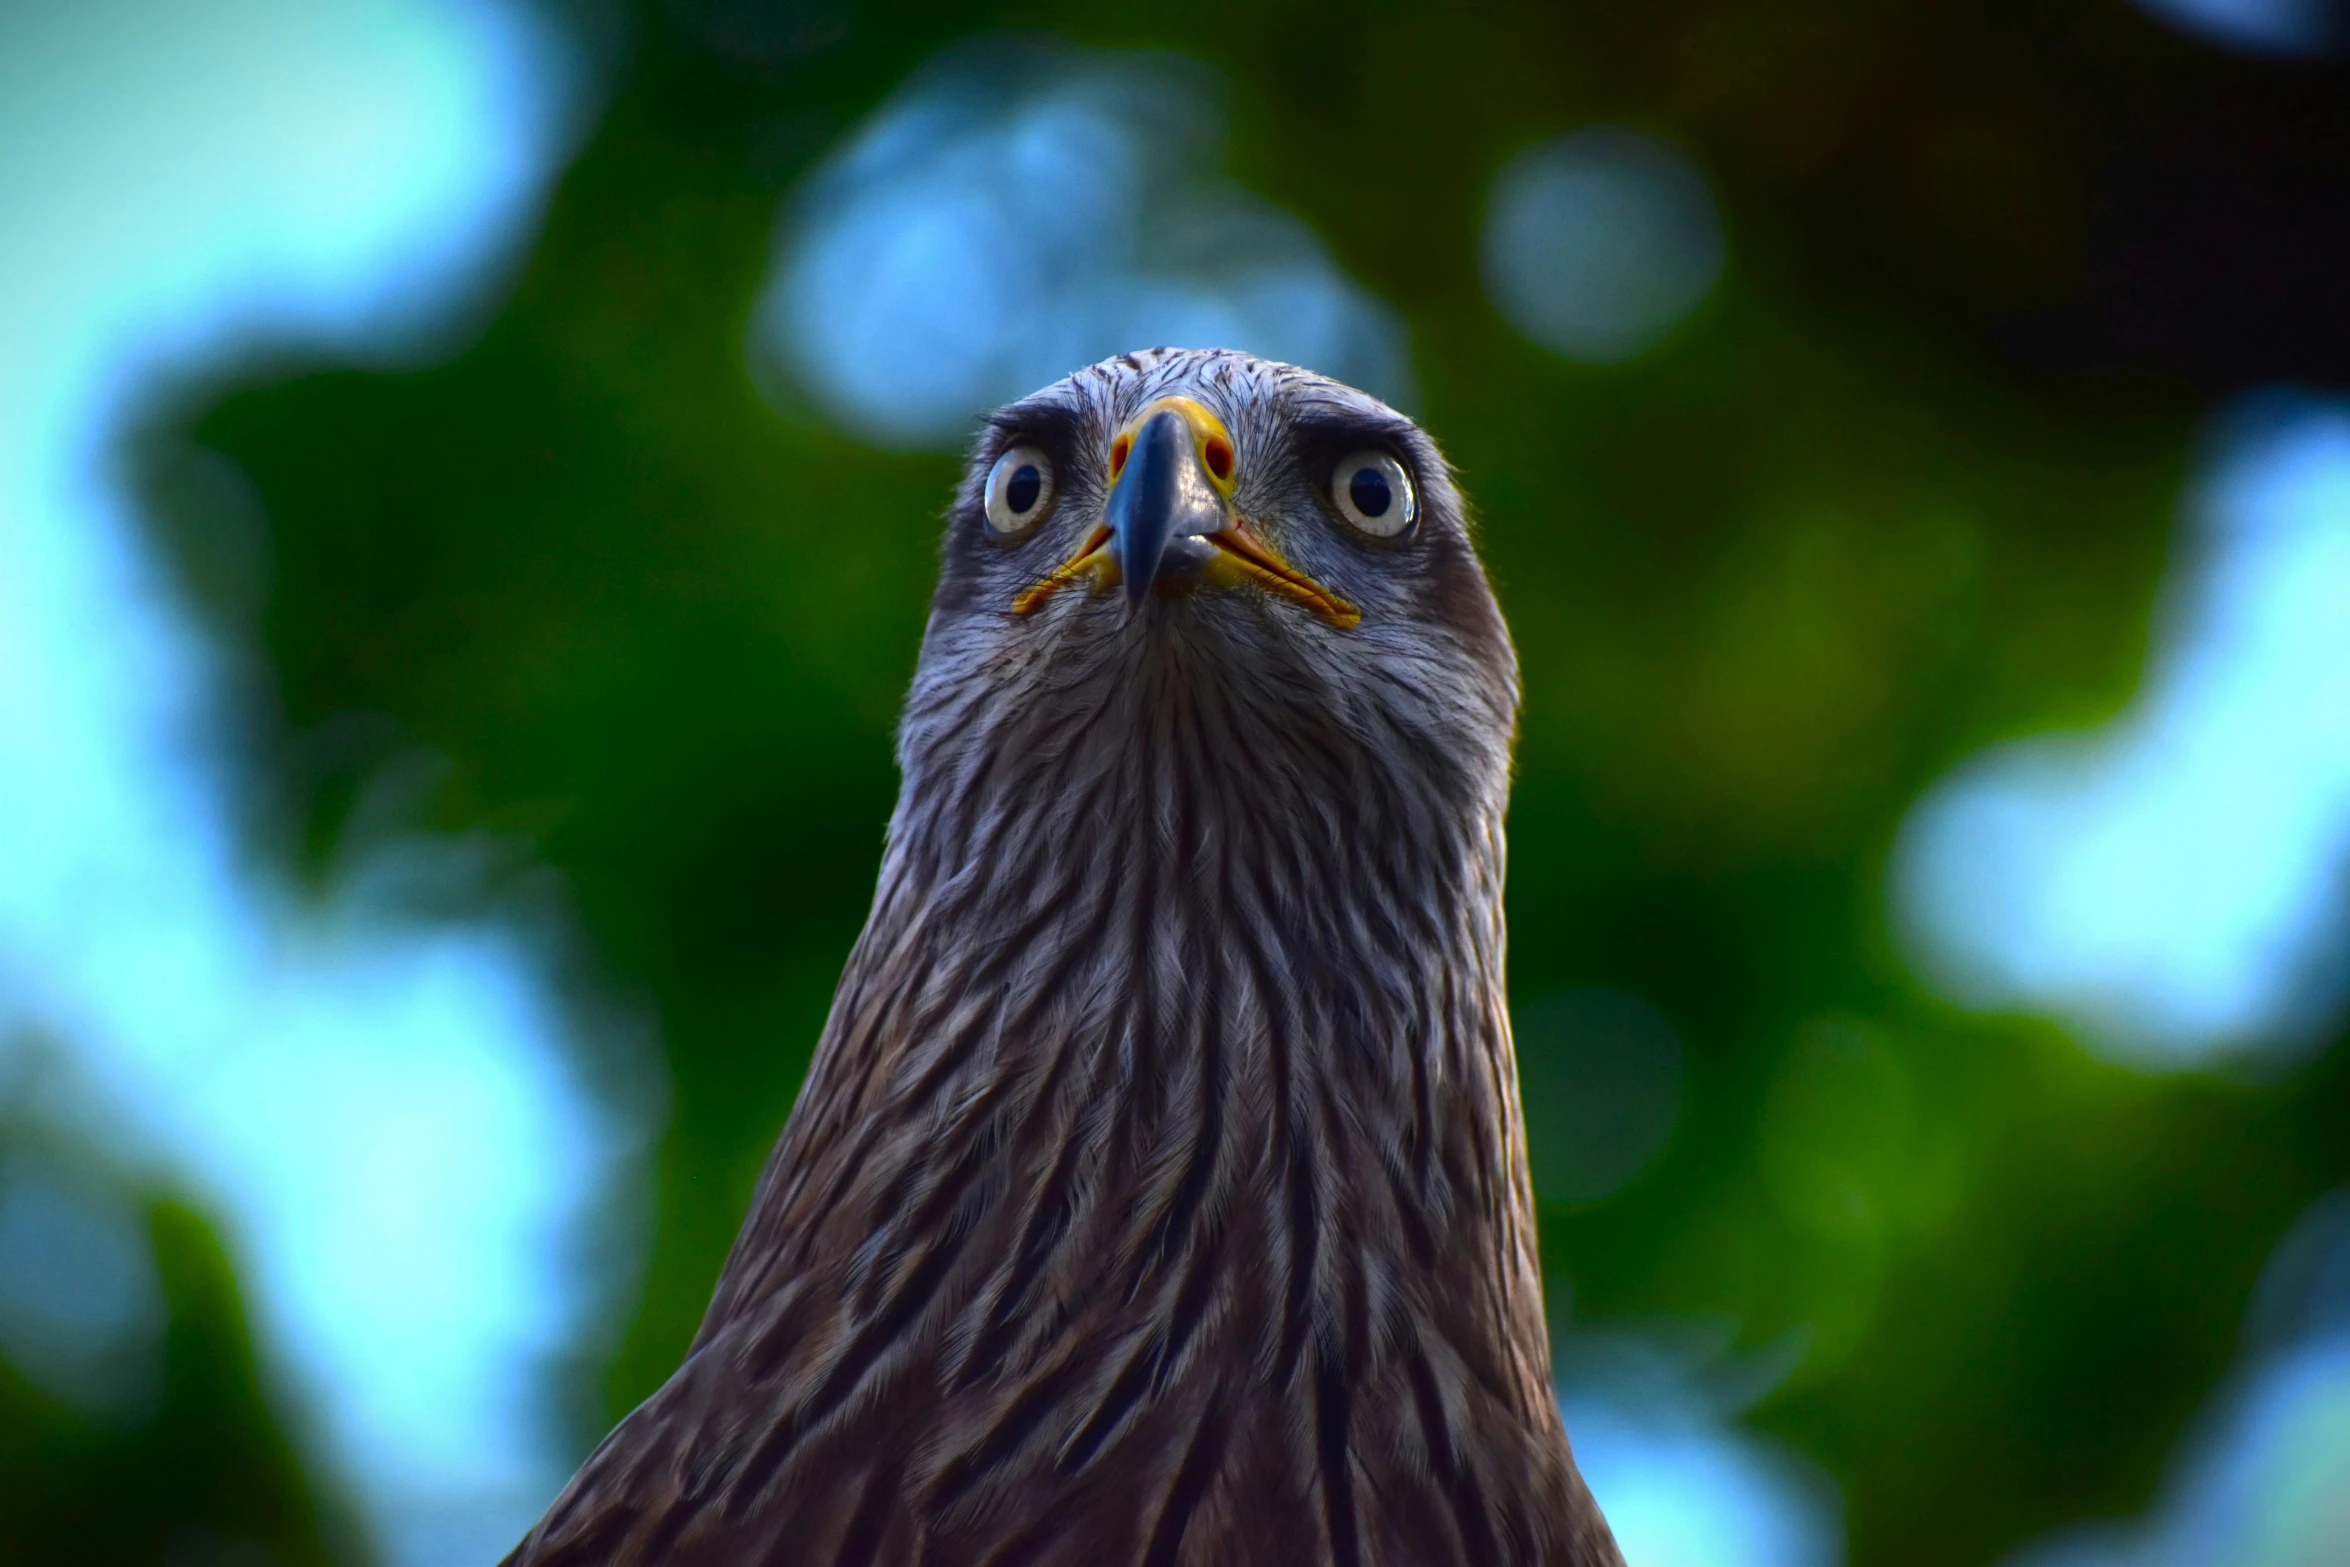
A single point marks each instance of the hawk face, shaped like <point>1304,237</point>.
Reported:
<point>1223,522</point>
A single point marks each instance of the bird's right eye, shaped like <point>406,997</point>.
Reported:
<point>1019,488</point>
<point>1374,493</point>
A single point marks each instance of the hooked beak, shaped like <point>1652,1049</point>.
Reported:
<point>1161,493</point>
<point>1170,515</point>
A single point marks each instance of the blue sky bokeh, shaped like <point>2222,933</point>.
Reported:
<point>2176,883</point>
<point>383,1105</point>
<point>1019,210</point>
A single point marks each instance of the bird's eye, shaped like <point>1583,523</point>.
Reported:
<point>1375,494</point>
<point>1019,488</point>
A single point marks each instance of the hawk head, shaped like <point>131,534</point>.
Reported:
<point>1173,524</point>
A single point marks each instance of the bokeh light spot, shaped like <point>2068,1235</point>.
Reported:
<point>1839,1130</point>
<point>1682,1482</point>
<point>1597,242</point>
<point>2263,1480</point>
<point>2176,886</point>
<point>2276,27</point>
<point>1600,1075</point>
<point>81,1312</point>
<point>1020,210</point>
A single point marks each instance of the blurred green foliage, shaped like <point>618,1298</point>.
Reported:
<point>202,1476</point>
<point>1767,582</point>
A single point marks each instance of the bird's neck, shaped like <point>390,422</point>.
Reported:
<point>1167,1095</point>
<point>1174,972</point>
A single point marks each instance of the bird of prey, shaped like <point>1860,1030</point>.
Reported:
<point>1158,1192</point>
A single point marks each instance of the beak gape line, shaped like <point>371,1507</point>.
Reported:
<point>1170,513</point>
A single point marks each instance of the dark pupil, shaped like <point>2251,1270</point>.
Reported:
<point>1368,490</point>
<point>1020,494</point>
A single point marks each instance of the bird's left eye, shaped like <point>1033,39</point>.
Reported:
<point>1019,488</point>
<point>1374,493</point>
